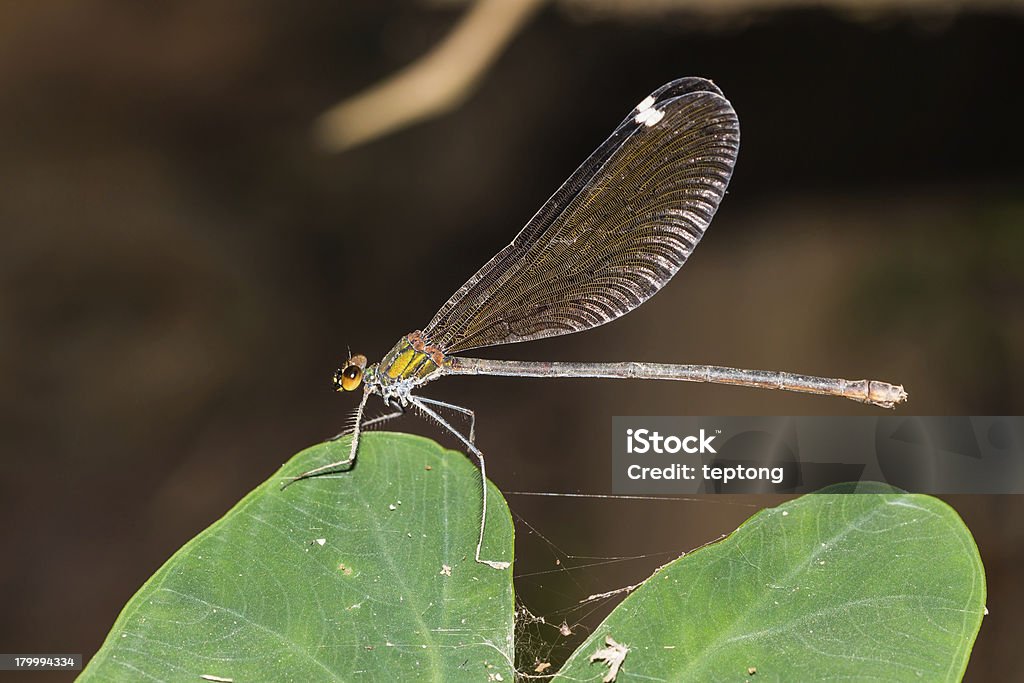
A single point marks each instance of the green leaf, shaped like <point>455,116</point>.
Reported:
<point>883,586</point>
<point>368,574</point>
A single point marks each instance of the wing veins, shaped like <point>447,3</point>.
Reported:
<point>616,231</point>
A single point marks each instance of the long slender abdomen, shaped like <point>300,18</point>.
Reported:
<point>882,394</point>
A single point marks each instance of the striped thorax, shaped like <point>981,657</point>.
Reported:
<point>410,363</point>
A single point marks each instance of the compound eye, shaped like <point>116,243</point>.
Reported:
<point>351,377</point>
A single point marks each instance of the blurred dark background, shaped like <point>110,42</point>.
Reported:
<point>182,267</point>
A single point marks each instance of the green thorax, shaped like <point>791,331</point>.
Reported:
<point>412,358</point>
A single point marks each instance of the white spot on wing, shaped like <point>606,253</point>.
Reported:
<point>646,104</point>
<point>649,116</point>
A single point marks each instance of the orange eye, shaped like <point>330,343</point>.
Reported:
<point>350,377</point>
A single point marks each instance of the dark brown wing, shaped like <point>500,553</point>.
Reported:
<point>615,232</point>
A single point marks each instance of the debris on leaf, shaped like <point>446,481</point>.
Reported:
<point>613,655</point>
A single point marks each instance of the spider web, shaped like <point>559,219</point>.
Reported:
<point>561,597</point>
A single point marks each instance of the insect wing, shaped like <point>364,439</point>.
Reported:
<point>616,231</point>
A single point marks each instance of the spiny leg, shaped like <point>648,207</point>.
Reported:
<point>419,403</point>
<point>459,409</point>
<point>346,464</point>
<point>372,422</point>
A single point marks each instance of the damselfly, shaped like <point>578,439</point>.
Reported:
<point>612,235</point>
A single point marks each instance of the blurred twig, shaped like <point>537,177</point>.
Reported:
<point>432,85</point>
<point>442,78</point>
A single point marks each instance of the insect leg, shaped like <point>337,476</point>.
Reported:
<point>418,402</point>
<point>341,465</point>
<point>367,424</point>
<point>459,409</point>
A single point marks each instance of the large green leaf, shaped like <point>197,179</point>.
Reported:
<point>366,575</point>
<point>875,587</point>
<point>370,575</point>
